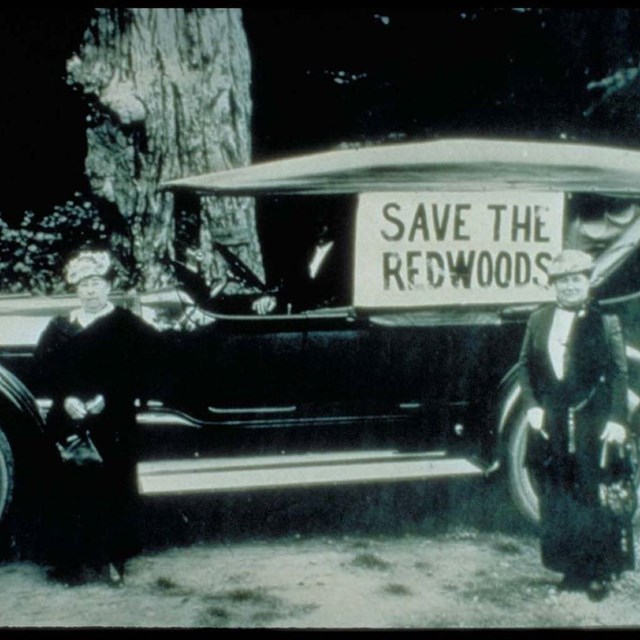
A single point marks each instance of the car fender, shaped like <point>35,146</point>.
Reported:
<point>18,407</point>
<point>29,458</point>
<point>508,396</point>
<point>507,404</point>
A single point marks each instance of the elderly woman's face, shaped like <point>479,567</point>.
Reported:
<point>93,293</point>
<point>572,289</point>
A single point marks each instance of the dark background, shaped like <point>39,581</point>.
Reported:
<point>326,76</point>
<point>425,73</point>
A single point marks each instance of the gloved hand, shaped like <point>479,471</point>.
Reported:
<point>75,408</point>
<point>614,433</point>
<point>95,405</point>
<point>535,417</point>
<point>264,305</point>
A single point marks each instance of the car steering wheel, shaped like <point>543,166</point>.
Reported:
<point>203,294</point>
<point>193,283</point>
<point>238,269</point>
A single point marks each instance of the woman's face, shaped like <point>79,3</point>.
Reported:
<point>93,293</point>
<point>572,289</point>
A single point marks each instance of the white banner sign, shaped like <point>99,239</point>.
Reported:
<point>429,249</point>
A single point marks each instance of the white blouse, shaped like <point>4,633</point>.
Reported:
<point>558,339</point>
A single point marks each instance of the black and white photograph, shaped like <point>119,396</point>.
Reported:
<point>320,318</point>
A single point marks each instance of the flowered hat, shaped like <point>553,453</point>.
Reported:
<point>569,261</point>
<point>86,264</point>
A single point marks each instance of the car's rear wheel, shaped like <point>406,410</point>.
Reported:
<point>6,478</point>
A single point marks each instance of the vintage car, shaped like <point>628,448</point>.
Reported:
<point>413,378</point>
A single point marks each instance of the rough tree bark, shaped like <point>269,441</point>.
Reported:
<point>170,96</point>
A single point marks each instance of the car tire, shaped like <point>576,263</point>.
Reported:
<point>7,478</point>
<point>521,485</point>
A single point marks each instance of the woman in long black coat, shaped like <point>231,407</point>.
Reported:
<point>574,384</point>
<point>91,361</point>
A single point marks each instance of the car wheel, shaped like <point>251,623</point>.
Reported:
<point>6,477</point>
<point>634,450</point>
<point>521,484</point>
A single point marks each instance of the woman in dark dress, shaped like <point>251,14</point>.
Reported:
<point>574,382</point>
<point>90,360</point>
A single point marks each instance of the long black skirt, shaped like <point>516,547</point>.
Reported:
<point>578,536</point>
<point>91,519</point>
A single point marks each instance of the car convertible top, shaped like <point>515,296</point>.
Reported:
<point>440,165</point>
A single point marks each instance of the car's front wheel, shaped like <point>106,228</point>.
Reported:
<point>521,484</point>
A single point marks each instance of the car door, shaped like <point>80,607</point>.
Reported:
<point>221,388</point>
<point>370,379</point>
<point>417,376</point>
<point>234,366</point>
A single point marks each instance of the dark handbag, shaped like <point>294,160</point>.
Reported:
<point>617,489</point>
<point>80,451</point>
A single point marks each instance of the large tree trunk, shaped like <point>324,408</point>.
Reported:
<point>170,95</point>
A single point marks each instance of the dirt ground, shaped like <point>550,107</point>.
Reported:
<point>409,557</point>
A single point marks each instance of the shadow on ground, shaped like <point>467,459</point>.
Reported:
<point>428,508</point>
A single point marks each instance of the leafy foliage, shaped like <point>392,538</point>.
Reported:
<point>620,90</point>
<point>33,252</point>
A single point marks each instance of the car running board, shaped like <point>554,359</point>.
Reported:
<point>211,475</point>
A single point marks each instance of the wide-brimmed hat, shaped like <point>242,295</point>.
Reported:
<point>569,261</point>
<point>86,264</point>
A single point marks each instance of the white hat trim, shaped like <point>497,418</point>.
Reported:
<point>87,264</point>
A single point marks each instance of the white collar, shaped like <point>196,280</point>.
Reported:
<point>565,315</point>
<point>84,318</point>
